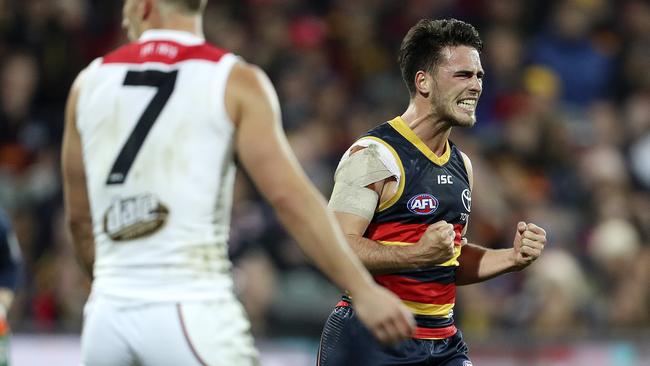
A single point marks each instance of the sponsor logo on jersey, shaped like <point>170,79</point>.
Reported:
<point>467,363</point>
<point>422,204</point>
<point>134,217</point>
<point>467,199</point>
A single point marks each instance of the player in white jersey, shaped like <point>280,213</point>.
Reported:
<point>148,170</point>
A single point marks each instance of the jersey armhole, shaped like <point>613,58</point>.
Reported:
<point>468,169</point>
<point>220,83</point>
<point>85,77</point>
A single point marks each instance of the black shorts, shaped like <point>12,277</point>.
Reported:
<point>347,342</point>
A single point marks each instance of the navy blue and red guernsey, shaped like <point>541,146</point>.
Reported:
<point>431,189</point>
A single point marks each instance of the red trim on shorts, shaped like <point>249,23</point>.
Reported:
<point>420,332</point>
<point>435,333</point>
<point>163,51</point>
<point>187,337</point>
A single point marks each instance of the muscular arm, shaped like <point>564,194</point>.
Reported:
<point>376,257</point>
<point>479,264</point>
<point>266,156</point>
<point>379,258</point>
<point>77,208</point>
<point>252,104</point>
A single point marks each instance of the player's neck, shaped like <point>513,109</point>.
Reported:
<point>433,131</point>
<point>178,22</point>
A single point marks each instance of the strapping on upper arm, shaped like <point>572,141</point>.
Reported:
<point>351,193</point>
<point>362,168</point>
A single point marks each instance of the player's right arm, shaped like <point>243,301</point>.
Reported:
<point>435,247</point>
<point>354,201</point>
<point>262,148</point>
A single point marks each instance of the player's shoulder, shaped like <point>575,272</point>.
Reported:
<point>383,129</point>
<point>121,53</point>
<point>247,72</point>
<point>246,79</point>
<point>370,144</point>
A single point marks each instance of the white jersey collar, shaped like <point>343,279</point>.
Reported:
<point>182,37</point>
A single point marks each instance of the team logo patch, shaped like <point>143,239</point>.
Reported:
<point>134,217</point>
<point>422,204</point>
<point>467,199</point>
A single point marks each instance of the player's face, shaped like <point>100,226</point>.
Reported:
<point>130,19</point>
<point>457,85</point>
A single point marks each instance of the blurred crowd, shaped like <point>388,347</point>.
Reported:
<point>562,140</point>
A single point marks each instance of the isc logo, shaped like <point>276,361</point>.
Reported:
<point>422,204</point>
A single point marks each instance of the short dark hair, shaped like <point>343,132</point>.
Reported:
<point>420,49</point>
<point>192,6</point>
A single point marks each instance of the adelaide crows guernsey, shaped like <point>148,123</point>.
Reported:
<point>430,189</point>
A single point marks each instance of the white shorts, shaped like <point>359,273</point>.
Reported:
<point>125,333</point>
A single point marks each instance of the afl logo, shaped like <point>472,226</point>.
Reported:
<point>467,199</point>
<point>422,204</point>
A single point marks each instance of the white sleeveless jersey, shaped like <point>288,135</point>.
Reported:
<point>157,148</point>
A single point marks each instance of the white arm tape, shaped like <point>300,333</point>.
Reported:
<point>354,200</point>
<point>350,194</point>
<point>362,168</point>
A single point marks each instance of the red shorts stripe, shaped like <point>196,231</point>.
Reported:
<point>435,333</point>
<point>422,332</point>
<point>413,290</point>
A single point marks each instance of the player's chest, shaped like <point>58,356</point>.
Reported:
<point>436,192</point>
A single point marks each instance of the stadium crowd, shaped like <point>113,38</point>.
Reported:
<point>562,139</point>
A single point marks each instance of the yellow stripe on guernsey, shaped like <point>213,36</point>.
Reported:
<point>400,126</point>
<point>429,309</point>
<point>451,262</point>
<point>400,187</point>
<point>454,260</point>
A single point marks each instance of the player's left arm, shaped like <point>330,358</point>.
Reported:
<point>77,207</point>
<point>478,263</point>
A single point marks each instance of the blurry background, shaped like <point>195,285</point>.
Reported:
<point>562,139</point>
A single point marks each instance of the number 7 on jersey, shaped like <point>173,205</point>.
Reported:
<point>164,82</point>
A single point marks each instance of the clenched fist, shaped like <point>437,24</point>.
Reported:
<point>528,244</point>
<point>436,245</point>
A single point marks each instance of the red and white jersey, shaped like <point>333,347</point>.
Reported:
<point>157,149</point>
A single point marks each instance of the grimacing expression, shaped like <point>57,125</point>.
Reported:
<point>457,83</point>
